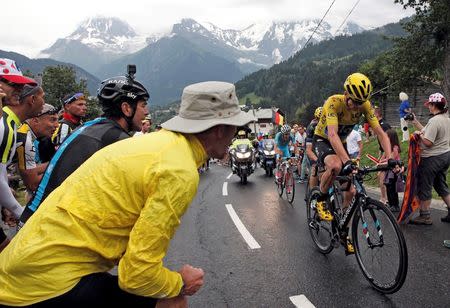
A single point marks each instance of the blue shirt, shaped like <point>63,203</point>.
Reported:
<point>404,105</point>
<point>282,143</point>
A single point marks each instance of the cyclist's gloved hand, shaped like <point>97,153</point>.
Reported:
<point>349,166</point>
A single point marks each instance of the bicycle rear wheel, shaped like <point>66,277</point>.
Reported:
<point>321,231</point>
<point>289,184</point>
<point>380,247</point>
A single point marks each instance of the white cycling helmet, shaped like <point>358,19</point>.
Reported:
<point>285,129</point>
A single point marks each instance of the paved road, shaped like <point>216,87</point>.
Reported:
<point>287,263</point>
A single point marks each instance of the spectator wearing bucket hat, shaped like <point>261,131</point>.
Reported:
<point>74,105</point>
<point>11,83</point>
<point>122,206</point>
<point>41,126</point>
<point>13,117</point>
<point>434,158</point>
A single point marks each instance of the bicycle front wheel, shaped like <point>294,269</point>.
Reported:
<point>289,186</point>
<point>321,231</point>
<point>380,247</point>
<point>279,182</point>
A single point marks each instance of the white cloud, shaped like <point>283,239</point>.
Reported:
<point>38,24</point>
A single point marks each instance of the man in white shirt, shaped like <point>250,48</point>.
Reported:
<point>354,143</point>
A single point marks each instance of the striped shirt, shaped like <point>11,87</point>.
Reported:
<point>26,152</point>
<point>8,135</point>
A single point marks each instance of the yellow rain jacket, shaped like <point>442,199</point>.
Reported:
<point>121,207</point>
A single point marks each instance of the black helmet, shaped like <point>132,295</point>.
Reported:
<point>113,91</point>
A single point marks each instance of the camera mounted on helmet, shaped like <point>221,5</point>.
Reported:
<point>121,89</point>
<point>131,71</point>
<point>116,90</point>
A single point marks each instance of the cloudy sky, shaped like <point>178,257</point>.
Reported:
<point>29,26</point>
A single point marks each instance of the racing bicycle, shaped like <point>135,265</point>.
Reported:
<point>379,244</point>
<point>284,178</point>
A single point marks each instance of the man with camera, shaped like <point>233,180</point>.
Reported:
<point>405,115</point>
<point>434,158</point>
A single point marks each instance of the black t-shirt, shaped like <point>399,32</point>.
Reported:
<point>74,151</point>
<point>45,149</point>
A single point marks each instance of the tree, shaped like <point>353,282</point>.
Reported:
<point>248,102</point>
<point>58,81</point>
<point>425,52</point>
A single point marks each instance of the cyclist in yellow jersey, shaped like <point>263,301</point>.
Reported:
<point>340,114</point>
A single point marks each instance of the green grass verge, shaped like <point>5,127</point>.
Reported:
<point>372,148</point>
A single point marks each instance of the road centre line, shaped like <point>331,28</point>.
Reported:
<point>225,189</point>
<point>229,176</point>
<point>300,301</point>
<point>251,242</point>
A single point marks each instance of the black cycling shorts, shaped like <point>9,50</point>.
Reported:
<point>97,290</point>
<point>323,148</point>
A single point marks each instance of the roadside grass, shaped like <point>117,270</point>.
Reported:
<point>372,147</point>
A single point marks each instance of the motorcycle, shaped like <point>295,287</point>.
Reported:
<point>243,161</point>
<point>267,156</point>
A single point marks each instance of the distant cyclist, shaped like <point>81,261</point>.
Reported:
<point>283,141</point>
<point>340,114</point>
<point>124,104</point>
<point>310,155</point>
<point>74,110</point>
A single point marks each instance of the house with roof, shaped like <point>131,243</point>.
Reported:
<point>264,124</point>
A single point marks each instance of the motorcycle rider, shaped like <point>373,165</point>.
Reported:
<point>241,139</point>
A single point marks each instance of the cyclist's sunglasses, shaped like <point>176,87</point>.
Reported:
<point>74,97</point>
<point>50,112</point>
<point>357,101</point>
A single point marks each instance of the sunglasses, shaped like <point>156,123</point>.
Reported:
<point>49,112</point>
<point>74,97</point>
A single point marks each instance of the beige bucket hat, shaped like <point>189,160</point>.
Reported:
<point>207,104</point>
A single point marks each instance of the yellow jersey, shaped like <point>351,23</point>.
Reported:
<point>121,207</point>
<point>335,112</point>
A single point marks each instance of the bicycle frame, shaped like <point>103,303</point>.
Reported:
<point>356,203</point>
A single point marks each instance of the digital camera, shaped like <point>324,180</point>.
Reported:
<point>409,117</point>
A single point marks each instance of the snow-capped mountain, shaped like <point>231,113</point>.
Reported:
<point>99,40</point>
<point>108,34</point>
<point>276,40</point>
<point>190,52</point>
<point>95,42</point>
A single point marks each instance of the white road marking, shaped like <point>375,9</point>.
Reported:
<point>300,301</point>
<point>225,189</point>
<point>230,175</point>
<point>251,242</point>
